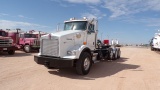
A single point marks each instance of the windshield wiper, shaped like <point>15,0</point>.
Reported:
<point>72,27</point>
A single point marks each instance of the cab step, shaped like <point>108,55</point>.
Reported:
<point>96,61</point>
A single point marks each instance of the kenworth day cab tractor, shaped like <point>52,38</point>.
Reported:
<point>76,46</point>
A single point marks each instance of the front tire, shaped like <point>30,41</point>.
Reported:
<point>27,48</point>
<point>83,64</point>
<point>11,52</point>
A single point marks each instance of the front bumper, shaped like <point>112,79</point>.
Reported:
<point>54,62</point>
<point>35,46</point>
<point>2,48</point>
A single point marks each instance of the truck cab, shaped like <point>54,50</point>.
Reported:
<point>28,41</point>
<point>25,40</point>
<point>6,43</point>
<point>75,46</point>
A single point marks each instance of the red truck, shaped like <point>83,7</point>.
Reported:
<point>6,43</point>
<point>106,42</point>
<point>26,41</point>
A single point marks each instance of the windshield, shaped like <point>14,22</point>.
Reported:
<point>29,36</point>
<point>2,34</point>
<point>77,25</point>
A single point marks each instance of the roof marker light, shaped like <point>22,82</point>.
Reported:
<point>85,18</point>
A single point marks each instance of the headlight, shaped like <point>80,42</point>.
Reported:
<point>11,40</point>
<point>78,35</point>
<point>71,52</point>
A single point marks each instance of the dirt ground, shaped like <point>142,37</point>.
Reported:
<point>138,69</point>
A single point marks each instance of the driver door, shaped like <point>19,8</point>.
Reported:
<point>91,37</point>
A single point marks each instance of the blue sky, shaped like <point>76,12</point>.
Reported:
<point>129,21</point>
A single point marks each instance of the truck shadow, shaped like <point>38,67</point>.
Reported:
<point>98,70</point>
<point>17,54</point>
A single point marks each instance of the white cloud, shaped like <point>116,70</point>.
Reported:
<point>127,7</point>
<point>122,7</point>
<point>153,5</point>
<point>154,22</point>
<point>3,14</point>
<point>148,21</point>
<point>6,24</point>
<point>89,15</point>
<point>84,1</point>
<point>60,3</point>
<point>21,16</point>
<point>94,13</point>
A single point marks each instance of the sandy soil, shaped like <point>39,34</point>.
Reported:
<point>138,69</point>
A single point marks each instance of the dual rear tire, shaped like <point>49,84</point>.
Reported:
<point>114,54</point>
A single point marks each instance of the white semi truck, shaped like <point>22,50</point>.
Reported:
<point>76,46</point>
<point>155,42</point>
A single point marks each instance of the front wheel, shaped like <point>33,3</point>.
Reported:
<point>11,52</point>
<point>84,64</point>
<point>27,48</point>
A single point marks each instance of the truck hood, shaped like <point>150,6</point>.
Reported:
<point>63,33</point>
<point>1,37</point>
<point>58,43</point>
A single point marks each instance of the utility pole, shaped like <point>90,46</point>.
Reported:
<point>101,36</point>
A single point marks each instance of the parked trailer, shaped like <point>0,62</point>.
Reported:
<point>76,46</point>
<point>6,43</point>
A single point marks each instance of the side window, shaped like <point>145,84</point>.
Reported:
<point>91,28</point>
<point>21,35</point>
<point>3,34</point>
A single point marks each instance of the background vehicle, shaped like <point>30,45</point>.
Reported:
<point>29,41</point>
<point>155,41</point>
<point>76,46</point>
<point>26,40</point>
<point>6,43</point>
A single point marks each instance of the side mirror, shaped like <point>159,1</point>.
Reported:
<point>88,31</point>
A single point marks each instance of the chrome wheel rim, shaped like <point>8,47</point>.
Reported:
<point>27,49</point>
<point>86,64</point>
<point>111,54</point>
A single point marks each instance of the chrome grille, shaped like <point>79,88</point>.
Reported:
<point>50,47</point>
<point>36,42</point>
<point>5,42</point>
